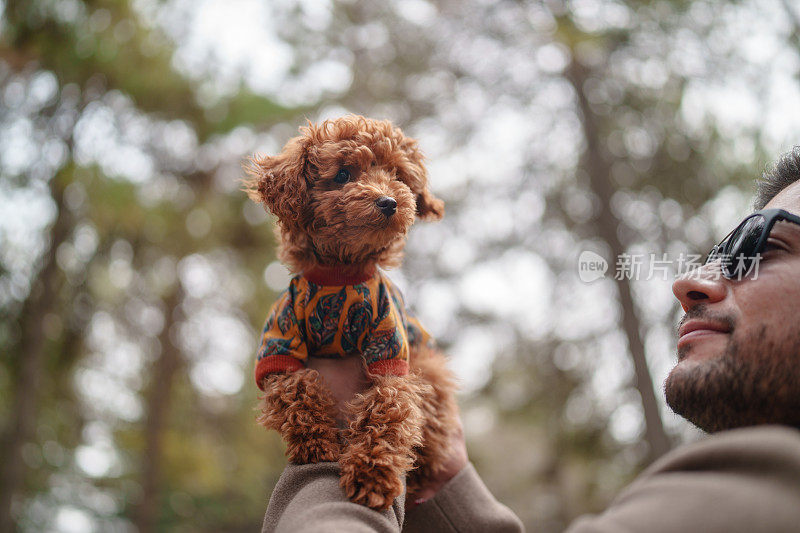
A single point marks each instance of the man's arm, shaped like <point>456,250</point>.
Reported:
<point>307,498</point>
<point>462,504</point>
<point>737,481</point>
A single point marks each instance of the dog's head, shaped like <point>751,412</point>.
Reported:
<point>345,192</point>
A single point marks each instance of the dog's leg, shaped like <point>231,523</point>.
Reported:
<point>301,409</point>
<point>385,426</point>
<point>440,413</point>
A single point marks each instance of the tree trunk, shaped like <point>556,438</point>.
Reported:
<point>158,402</point>
<point>597,166</point>
<point>31,348</point>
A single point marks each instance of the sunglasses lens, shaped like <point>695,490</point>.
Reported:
<point>739,251</point>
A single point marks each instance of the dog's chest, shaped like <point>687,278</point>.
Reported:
<point>365,318</point>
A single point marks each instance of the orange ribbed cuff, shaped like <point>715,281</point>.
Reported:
<point>276,363</point>
<point>389,367</point>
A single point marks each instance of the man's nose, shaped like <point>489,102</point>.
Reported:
<point>704,285</point>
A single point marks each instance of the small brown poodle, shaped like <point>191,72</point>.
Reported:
<point>345,193</point>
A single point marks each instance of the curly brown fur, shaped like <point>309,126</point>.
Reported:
<point>302,410</point>
<point>324,222</point>
<point>385,426</point>
<point>440,415</point>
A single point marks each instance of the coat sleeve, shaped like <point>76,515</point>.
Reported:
<point>463,504</point>
<point>737,481</point>
<point>307,498</point>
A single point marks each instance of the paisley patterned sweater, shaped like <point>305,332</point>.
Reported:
<point>333,316</point>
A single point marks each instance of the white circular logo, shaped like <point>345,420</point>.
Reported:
<point>591,266</point>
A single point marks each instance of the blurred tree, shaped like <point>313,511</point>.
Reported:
<point>102,317</point>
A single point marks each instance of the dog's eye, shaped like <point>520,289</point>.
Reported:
<point>343,176</point>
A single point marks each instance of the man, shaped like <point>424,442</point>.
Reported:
<point>737,377</point>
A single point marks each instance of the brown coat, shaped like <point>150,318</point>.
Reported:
<point>745,480</point>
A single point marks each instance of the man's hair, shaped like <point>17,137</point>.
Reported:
<point>783,173</point>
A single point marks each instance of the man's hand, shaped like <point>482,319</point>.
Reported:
<point>344,377</point>
<point>453,464</point>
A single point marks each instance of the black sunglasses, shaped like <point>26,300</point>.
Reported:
<point>742,247</point>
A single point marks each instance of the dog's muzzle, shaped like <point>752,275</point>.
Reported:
<point>387,205</point>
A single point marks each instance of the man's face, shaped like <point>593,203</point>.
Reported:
<point>740,365</point>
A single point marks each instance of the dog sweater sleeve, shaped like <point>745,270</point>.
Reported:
<point>386,348</point>
<point>283,347</point>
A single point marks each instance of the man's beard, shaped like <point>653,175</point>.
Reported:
<point>755,381</point>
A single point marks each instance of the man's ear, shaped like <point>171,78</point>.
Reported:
<point>279,182</point>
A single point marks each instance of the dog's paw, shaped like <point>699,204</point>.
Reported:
<point>374,486</point>
<point>298,406</point>
<point>385,427</point>
<point>313,441</point>
<point>313,451</point>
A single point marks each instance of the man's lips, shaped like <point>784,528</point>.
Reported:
<point>693,329</point>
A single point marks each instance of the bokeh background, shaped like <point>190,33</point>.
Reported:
<point>135,275</point>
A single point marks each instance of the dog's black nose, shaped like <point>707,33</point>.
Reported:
<point>387,205</point>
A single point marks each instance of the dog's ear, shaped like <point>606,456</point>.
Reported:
<point>279,182</point>
<point>412,172</point>
<point>429,207</point>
